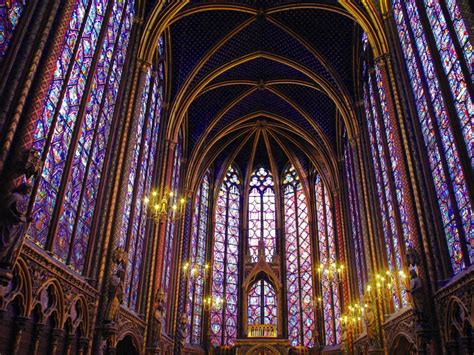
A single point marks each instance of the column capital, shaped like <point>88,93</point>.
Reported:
<point>354,140</point>
<point>384,58</point>
<point>138,20</point>
<point>143,65</point>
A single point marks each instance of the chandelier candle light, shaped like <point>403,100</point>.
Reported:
<point>168,206</point>
<point>333,271</point>
<point>195,271</point>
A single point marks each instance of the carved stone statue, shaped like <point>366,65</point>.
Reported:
<point>417,296</point>
<point>13,225</point>
<point>159,316</point>
<point>344,342</point>
<point>412,257</point>
<point>31,164</point>
<point>183,321</point>
<point>115,296</point>
<point>370,320</point>
<point>115,289</point>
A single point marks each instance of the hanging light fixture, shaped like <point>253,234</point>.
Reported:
<point>165,207</point>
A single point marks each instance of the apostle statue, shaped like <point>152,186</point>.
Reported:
<point>115,295</point>
<point>159,316</point>
<point>417,296</point>
<point>370,320</point>
<point>13,224</point>
<point>183,321</point>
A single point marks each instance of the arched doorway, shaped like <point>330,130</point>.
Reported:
<point>402,346</point>
<point>263,350</point>
<point>126,347</point>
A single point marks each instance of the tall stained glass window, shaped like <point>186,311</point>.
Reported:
<point>72,133</point>
<point>299,277</point>
<point>223,330</point>
<point>261,214</point>
<point>132,236</point>
<point>386,164</point>
<point>449,179</point>
<point>355,220</point>
<point>170,227</point>
<point>10,14</point>
<point>199,267</point>
<point>327,256</point>
<point>262,303</point>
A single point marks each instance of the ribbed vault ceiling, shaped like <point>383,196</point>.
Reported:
<point>260,79</point>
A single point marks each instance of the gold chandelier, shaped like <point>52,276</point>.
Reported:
<point>164,207</point>
<point>332,271</point>
<point>196,271</point>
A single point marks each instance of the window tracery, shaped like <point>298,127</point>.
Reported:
<point>198,263</point>
<point>327,255</point>
<point>261,216</point>
<point>10,15</point>
<point>262,303</point>
<point>73,129</point>
<point>437,129</point>
<point>223,328</point>
<point>299,277</point>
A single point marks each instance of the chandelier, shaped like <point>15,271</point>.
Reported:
<point>164,207</point>
<point>332,271</point>
<point>201,271</point>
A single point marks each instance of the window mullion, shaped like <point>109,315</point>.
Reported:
<point>54,120</point>
<point>449,99</point>
<point>437,139</point>
<point>297,230</point>
<point>224,291</point>
<point>193,262</point>
<point>326,232</point>
<point>77,125</point>
<point>96,128</point>
<point>400,237</point>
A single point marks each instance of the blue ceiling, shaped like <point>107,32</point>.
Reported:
<point>328,33</point>
<point>261,69</point>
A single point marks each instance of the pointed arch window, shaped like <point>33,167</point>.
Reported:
<point>134,222</point>
<point>355,218</point>
<point>170,233</point>
<point>262,303</point>
<point>199,239</point>
<point>73,130</point>
<point>10,14</point>
<point>327,255</point>
<point>391,196</point>
<point>449,180</point>
<point>261,214</point>
<point>299,276</point>
<point>223,329</point>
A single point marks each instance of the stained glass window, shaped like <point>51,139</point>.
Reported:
<point>73,129</point>
<point>355,220</point>
<point>223,330</point>
<point>299,277</point>
<point>449,180</point>
<point>132,236</point>
<point>451,64</point>
<point>10,14</point>
<point>170,227</point>
<point>460,29</point>
<point>199,267</point>
<point>262,303</point>
<point>381,160</point>
<point>327,256</point>
<point>261,214</point>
